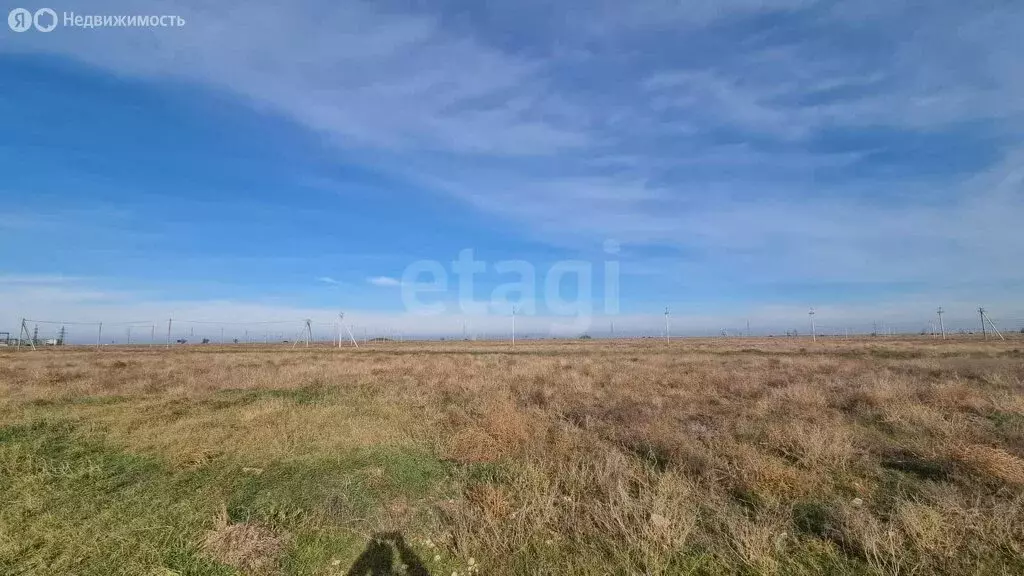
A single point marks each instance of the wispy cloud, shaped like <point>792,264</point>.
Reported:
<point>813,145</point>
<point>384,281</point>
<point>37,279</point>
<point>328,280</point>
<point>379,78</point>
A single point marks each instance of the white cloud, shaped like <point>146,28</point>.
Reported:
<point>36,279</point>
<point>328,280</point>
<point>384,281</point>
<point>612,18</point>
<point>365,76</point>
<point>630,144</point>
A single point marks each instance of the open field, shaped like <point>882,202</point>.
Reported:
<point>758,456</point>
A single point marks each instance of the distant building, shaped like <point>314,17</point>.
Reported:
<point>51,342</point>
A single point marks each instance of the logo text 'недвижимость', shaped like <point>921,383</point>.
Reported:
<point>46,20</point>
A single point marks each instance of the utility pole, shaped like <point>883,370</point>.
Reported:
<point>668,335</point>
<point>748,328</point>
<point>307,334</point>
<point>985,317</point>
<point>513,327</point>
<point>24,332</point>
<point>168,332</point>
<point>981,314</point>
<point>221,334</point>
<point>341,320</point>
<point>814,336</point>
<point>152,334</point>
<point>63,335</point>
<point>942,329</point>
<point>99,334</point>
<point>129,335</point>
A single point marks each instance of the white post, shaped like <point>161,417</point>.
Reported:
<point>513,326</point>
<point>341,322</point>
<point>351,336</point>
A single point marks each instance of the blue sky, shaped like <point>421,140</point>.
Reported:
<point>752,158</point>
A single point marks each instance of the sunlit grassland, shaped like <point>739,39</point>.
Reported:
<point>760,456</point>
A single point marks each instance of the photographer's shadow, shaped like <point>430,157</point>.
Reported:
<point>378,559</point>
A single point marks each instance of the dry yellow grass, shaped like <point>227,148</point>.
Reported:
<point>887,456</point>
<point>250,548</point>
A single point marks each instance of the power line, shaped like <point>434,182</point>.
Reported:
<point>62,322</point>
<point>237,323</point>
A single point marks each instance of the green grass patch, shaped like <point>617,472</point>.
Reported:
<point>77,401</point>
<point>337,491</point>
<point>303,396</point>
<point>71,505</point>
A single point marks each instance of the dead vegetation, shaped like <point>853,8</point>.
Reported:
<point>251,548</point>
<point>634,457</point>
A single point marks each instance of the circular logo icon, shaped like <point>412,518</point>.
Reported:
<point>19,19</point>
<point>45,19</point>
